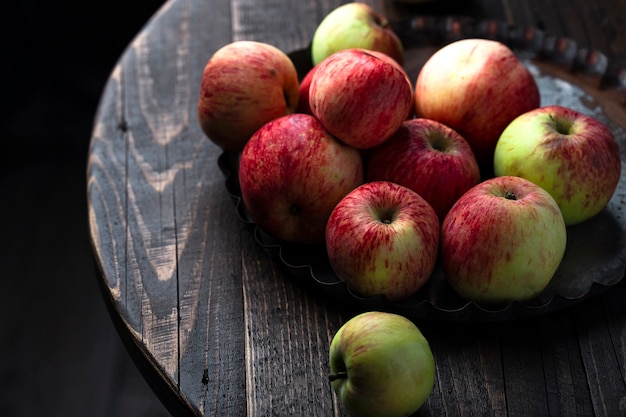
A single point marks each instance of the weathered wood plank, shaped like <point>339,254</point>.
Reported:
<point>600,353</point>
<point>469,370</point>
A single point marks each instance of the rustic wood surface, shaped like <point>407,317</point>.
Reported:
<point>217,327</point>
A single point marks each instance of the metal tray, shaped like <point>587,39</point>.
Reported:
<point>567,74</point>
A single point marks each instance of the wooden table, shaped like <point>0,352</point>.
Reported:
<point>217,326</point>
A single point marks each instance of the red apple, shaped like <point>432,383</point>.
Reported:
<point>245,84</point>
<point>292,174</point>
<point>360,98</point>
<point>476,87</point>
<point>386,57</point>
<point>303,92</point>
<point>430,159</point>
<point>502,241</point>
<point>573,156</point>
<point>382,238</point>
<point>355,25</point>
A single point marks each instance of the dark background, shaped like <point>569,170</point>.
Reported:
<point>59,352</point>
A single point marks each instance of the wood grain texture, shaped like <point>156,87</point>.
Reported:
<point>225,328</point>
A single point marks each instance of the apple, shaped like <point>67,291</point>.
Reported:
<point>292,174</point>
<point>383,238</point>
<point>502,241</point>
<point>399,66</point>
<point>245,84</point>
<point>359,97</point>
<point>476,87</point>
<point>303,92</point>
<point>355,25</point>
<point>381,365</point>
<point>429,158</point>
<point>573,156</point>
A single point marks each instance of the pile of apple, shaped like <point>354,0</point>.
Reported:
<point>462,166</point>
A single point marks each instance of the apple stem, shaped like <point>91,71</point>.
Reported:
<point>338,375</point>
<point>510,195</point>
<point>563,126</point>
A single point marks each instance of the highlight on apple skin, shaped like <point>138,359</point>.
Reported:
<point>383,238</point>
<point>245,84</point>
<point>292,173</point>
<point>573,156</point>
<point>502,241</point>
<point>381,366</point>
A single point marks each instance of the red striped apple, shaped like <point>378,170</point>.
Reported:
<point>430,159</point>
<point>476,87</point>
<point>359,97</point>
<point>245,84</point>
<point>303,92</point>
<point>355,25</point>
<point>575,157</point>
<point>382,238</point>
<point>381,365</point>
<point>292,174</point>
<point>502,241</point>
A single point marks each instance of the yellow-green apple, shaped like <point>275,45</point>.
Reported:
<point>429,158</point>
<point>359,97</point>
<point>355,25</point>
<point>573,156</point>
<point>292,174</point>
<point>383,238</point>
<point>381,365</point>
<point>476,87</point>
<point>245,84</point>
<point>502,241</point>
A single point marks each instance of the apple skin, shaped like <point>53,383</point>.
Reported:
<point>292,174</point>
<point>355,25</point>
<point>303,92</point>
<point>573,156</point>
<point>383,238</point>
<point>359,97</point>
<point>303,102</point>
<point>399,66</point>
<point>502,241</point>
<point>381,365</point>
<point>476,87</point>
<point>245,84</point>
<point>430,159</point>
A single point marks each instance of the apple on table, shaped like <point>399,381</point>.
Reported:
<point>245,84</point>
<point>359,97</point>
<point>573,156</point>
<point>355,25</point>
<point>381,365</point>
<point>502,241</point>
<point>429,158</point>
<point>476,87</point>
<point>383,238</point>
<point>292,173</point>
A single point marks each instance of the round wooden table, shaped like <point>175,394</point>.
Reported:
<point>217,326</point>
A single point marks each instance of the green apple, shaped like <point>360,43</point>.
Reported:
<point>355,25</point>
<point>502,241</point>
<point>573,156</point>
<point>381,365</point>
